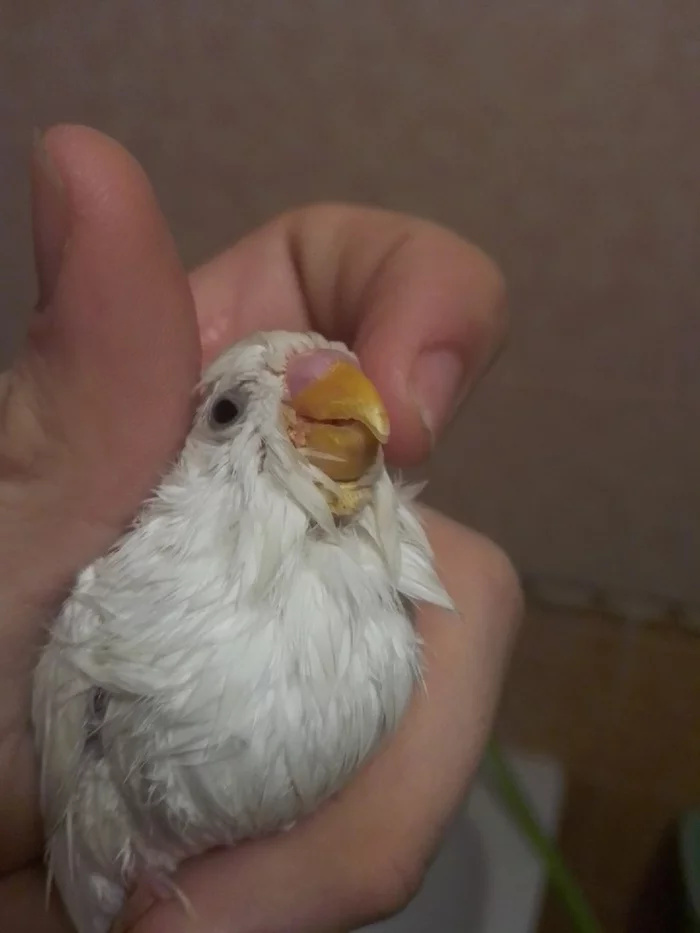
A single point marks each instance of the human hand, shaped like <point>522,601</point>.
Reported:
<point>100,401</point>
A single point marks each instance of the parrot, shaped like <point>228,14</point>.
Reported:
<point>247,644</point>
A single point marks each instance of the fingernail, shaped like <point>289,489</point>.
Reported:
<point>437,387</point>
<point>135,909</point>
<point>153,890</point>
<point>50,219</point>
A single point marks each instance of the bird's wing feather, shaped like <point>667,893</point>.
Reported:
<point>419,578</point>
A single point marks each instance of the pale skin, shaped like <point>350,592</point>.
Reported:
<point>98,402</point>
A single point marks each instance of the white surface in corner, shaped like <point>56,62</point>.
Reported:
<point>485,878</point>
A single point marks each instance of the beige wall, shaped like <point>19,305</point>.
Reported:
<point>563,135</point>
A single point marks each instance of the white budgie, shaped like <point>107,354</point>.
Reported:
<point>248,642</point>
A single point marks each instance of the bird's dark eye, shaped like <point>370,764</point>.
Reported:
<point>225,411</point>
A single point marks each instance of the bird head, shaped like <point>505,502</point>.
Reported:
<point>299,407</point>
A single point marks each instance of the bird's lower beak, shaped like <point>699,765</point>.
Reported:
<point>340,422</point>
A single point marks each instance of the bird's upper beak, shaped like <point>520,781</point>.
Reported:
<point>339,421</point>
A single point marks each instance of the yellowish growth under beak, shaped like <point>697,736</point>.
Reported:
<point>340,422</point>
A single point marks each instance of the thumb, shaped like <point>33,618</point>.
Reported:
<point>100,398</point>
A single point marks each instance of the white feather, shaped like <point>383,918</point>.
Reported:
<point>235,657</point>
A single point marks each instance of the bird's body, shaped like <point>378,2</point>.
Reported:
<point>241,651</point>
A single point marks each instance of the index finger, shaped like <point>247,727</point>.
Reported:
<point>422,308</point>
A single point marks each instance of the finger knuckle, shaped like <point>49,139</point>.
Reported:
<point>499,581</point>
<point>492,275</point>
<point>495,289</point>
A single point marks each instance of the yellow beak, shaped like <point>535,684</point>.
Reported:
<point>340,422</point>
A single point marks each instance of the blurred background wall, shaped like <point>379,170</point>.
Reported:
<point>562,135</point>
